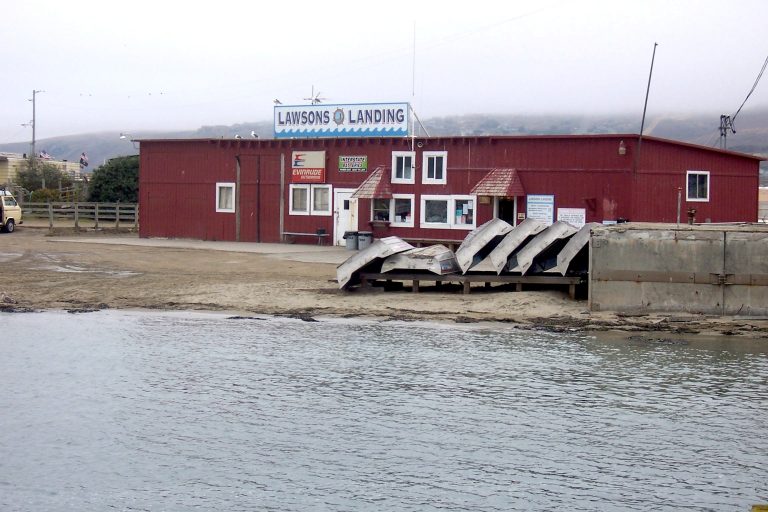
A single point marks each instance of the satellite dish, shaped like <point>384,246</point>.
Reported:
<point>254,134</point>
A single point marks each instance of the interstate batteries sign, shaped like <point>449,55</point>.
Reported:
<point>357,120</point>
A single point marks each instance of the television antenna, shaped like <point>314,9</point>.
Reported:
<point>314,99</point>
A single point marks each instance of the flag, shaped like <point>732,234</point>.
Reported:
<point>83,160</point>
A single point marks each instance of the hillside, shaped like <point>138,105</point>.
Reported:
<point>751,132</point>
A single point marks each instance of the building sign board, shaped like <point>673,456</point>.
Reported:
<point>308,167</point>
<point>353,163</point>
<point>576,217</point>
<point>541,208</point>
<point>343,120</point>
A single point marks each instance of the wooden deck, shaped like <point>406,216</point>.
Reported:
<point>367,278</point>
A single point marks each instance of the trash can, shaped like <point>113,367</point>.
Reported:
<point>351,238</point>
<point>364,239</point>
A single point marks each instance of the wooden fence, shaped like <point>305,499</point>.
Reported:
<point>84,215</point>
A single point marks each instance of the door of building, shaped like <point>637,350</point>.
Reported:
<point>507,209</point>
<point>344,214</point>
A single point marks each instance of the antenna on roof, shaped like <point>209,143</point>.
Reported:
<point>314,99</point>
<point>645,106</point>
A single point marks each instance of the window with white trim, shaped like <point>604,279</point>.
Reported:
<point>434,211</point>
<point>464,212</point>
<point>305,199</point>
<point>398,211</point>
<point>298,200</point>
<point>402,210</point>
<point>403,166</point>
<point>381,210</point>
<point>448,212</point>
<point>321,199</point>
<point>697,186</point>
<point>225,197</point>
<point>434,167</point>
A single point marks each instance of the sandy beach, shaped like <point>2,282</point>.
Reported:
<point>96,270</point>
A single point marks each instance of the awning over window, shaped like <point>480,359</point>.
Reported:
<point>499,183</point>
<point>375,186</point>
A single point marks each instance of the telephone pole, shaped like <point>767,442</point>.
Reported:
<point>34,94</point>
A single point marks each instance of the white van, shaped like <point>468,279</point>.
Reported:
<point>10,212</point>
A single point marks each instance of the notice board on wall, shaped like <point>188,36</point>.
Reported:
<point>541,208</point>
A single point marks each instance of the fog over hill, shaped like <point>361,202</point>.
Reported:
<point>751,132</point>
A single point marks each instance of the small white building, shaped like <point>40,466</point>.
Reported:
<point>12,163</point>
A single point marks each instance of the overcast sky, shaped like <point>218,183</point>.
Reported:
<point>141,65</point>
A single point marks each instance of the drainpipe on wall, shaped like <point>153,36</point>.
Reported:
<point>282,196</point>
<point>237,198</point>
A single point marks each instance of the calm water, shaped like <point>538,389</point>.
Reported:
<point>176,412</point>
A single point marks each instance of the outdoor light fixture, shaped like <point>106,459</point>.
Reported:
<point>622,148</point>
<point>127,136</point>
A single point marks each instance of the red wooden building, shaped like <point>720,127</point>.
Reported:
<point>435,188</point>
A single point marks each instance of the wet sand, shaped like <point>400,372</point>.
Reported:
<point>97,270</point>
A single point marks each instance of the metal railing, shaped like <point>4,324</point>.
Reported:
<point>84,215</point>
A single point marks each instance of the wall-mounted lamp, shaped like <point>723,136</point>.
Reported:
<point>622,148</point>
<point>127,136</point>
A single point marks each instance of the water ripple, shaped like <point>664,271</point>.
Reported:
<point>133,411</point>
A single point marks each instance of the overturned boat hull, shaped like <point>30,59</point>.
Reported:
<point>437,259</point>
<point>514,240</point>
<point>480,242</point>
<point>522,261</point>
<point>370,259</point>
<point>575,245</point>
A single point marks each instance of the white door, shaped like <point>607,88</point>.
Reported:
<point>344,214</point>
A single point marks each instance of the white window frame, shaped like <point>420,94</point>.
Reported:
<point>451,214</point>
<point>389,210</point>
<point>452,219</point>
<point>697,199</point>
<point>325,213</point>
<point>393,218</point>
<point>425,179</point>
<point>423,211</point>
<point>291,188</point>
<point>395,156</point>
<point>219,207</point>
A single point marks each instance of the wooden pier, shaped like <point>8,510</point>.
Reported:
<point>367,279</point>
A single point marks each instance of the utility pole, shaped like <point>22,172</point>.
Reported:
<point>726,125</point>
<point>34,93</point>
<point>32,155</point>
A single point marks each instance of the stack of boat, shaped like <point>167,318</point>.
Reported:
<point>495,248</point>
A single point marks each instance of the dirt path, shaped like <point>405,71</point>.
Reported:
<point>44,272</point>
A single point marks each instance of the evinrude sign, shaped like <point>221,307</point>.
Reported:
<point>308,167</point>
<point>355,120</point>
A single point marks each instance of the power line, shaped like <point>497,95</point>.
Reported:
<point>754,86</point>
<point>726,122</point>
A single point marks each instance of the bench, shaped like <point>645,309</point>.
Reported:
<point>320,234</point>
<point>367,278</point>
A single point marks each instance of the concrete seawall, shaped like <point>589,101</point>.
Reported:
<point>709,269</point>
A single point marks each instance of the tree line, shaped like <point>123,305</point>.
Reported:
<point>116,180</point>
